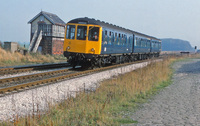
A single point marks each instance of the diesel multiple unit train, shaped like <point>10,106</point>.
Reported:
<point>96,43</point>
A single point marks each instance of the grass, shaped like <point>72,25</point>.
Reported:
<point>111,104</point>
<point>10,59</point>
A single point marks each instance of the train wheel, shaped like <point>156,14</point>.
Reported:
<point>133,58</point>
<point>93,64</point>
<point>117,60</point>
<point>73,63</point>
<point>99,63</point>
<point>103,62</point>
<point>122,59</point>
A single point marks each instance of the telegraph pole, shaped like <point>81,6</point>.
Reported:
<point>195,49</point>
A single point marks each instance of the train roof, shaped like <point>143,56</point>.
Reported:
<point>87,20</point>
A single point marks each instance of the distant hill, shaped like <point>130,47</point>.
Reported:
<point>170,44</point>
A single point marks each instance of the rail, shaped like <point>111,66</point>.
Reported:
<point>55,79</point>
<point>19,69</point>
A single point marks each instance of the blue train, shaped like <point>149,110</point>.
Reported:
<point>94,42</point>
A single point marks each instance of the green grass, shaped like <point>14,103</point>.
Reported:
<point>125,121</point>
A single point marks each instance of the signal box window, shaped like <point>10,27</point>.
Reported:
<point>81,33</point>
<point>93,33</point>
<point>70,31</point>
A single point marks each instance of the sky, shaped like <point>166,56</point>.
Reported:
<point>179,19</point>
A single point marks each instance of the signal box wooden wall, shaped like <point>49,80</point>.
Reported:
<point>53,31</point>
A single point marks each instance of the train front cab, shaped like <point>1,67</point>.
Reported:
<point>82,41</point>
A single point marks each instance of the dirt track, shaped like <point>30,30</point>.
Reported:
<point>177,104</point>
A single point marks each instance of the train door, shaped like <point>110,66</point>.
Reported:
<point>151,45</point>
<point>133,43</point>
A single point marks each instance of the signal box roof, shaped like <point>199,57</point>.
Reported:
<point>53,18</point>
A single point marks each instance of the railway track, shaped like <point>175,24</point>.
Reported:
<point>8,85</point>
<point>22,79</point>
<point>27,68</point>
<point>14,71</point>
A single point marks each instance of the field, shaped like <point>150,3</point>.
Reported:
<point>11,59</point>
<point>110,104</point>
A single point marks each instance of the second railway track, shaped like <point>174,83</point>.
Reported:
<point>27,68</point>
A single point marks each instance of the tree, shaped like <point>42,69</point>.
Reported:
<point>1,44</point>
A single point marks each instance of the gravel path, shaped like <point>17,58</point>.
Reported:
<point>177,104</point>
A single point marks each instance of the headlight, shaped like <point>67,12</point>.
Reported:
<point>68,48</point>
<point>92,49</point>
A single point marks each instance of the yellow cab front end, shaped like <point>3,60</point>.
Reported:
<point>82,39</point>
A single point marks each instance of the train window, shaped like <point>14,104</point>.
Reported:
<point>115,39</point>
<point>157,45</point>
<point>119,39</point>
<point>145,43</point>
<point>122,39</point>
<point>105,32</point>
<point>129,40</point>
<point>70,31</point>
<point>105,37</point>
<point>93,33</point>
<point>148,43</point>
<point>109,38</point>
<point>136,39</point>
<point>125,39</point>
<point>142,43</point>
<point>138,43</point>
<point>134,42</point>
<point>81,32</point>
<point>153,44</point>
<point>112,37</point>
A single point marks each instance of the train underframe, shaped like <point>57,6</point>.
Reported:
<point>90,60</point>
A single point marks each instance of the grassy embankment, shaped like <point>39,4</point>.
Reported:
<point>111,103</point>
<point>13,59</point>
